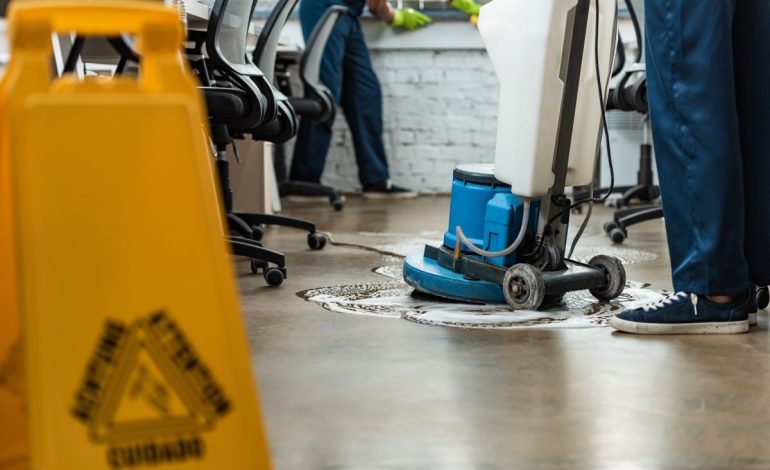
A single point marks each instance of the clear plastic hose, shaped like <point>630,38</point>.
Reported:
<point>498,254</point>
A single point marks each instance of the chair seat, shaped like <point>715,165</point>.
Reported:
<point>226,104</point>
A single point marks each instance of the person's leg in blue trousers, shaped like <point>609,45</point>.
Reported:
<point>751,38</point>
<point>313,137</point>
<point>362,103</point>
<point>706,66</point>
<point>346,70</point>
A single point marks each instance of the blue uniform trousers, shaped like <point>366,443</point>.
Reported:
<point>708,68</point>
<point>346,69</point>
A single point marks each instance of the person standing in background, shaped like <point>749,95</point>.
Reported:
<point>346,69</point>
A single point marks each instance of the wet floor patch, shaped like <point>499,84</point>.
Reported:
<point>395,299</point>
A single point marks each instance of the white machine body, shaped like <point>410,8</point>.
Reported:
<point>528,45</point>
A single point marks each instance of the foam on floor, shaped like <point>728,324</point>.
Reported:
<point>396,299</point>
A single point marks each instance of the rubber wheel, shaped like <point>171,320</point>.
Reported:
<point>763,297</point>
<point>274,277</point>
<point>617,235</point>
<point>258,231</point>
<point>614,277</point>
<point>609,226</point>
<point>523,287</point>
<point>316,241</point>
<point>337,202</point>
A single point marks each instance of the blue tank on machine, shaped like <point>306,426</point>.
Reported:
<point>490,216</point>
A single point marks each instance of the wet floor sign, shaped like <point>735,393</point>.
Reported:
<point>125,349</point>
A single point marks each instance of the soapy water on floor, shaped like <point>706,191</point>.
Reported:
<point>396,299</point>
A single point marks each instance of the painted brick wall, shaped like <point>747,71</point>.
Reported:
<point>440,110</point>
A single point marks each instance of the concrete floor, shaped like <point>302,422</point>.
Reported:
<point>353,392</point>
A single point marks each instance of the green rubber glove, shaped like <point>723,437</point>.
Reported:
<point>410,19</point>
<point>469,7</point>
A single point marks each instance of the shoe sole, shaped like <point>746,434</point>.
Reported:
<point>753,321</point>
<point>716,328</point>
<point>381,196</point>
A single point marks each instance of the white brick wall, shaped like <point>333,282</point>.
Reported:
<point>440,110</point>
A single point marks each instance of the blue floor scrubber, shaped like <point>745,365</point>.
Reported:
<point>507,234</point>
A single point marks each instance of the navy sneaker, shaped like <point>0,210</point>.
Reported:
<point>753,307</point>
<point>688,314</point>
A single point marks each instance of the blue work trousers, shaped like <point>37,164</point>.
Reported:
<point>346,69</point>
<point>708,68</point>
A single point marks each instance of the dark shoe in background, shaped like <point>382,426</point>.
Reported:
<point>387,190</point>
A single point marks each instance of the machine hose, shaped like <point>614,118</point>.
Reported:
<point>461,238</point>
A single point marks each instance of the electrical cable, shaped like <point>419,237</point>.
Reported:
<point>583,226</point>
<point>637,30</point>
<point>461,238</point>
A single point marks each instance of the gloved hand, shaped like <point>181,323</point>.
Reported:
<point>469,7</point>
<point>410,19</point>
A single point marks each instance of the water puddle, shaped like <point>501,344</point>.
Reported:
<point>396,299</point>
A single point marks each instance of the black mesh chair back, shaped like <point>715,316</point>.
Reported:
<point>318,103</point>
<point>267,45</point>
<point>226,45</point>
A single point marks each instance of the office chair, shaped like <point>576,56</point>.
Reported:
<point>318,103</point>
<point>239,98</point>
<point>283,127</point>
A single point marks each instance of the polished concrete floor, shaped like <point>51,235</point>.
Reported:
<point>354,392</point>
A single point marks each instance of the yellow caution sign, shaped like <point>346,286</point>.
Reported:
<point>133,353</point>
<point>13,425</point>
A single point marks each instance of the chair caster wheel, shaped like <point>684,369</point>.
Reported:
<point>316,241</point>
<point>258,231</point>
<point>617,236</point>
<point>337,201</point>
<point>274,277</point>
<point>257,265</point>
<point>763,297</point>
<point>615,232</point>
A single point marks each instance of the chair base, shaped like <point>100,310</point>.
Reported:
<point>302,188</point>
<point>617,229</point>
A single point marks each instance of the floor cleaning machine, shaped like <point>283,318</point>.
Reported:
<point>508,222</point>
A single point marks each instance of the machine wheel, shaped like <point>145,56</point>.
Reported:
<point>614,274</point>
<point>523,287</point>
<point>763,297</point>
<point>274,277</point>
<point>316,241</point>
<point>337,202</point>
<point>258,231</point>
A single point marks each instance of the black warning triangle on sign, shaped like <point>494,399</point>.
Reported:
<point>146,396</point>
